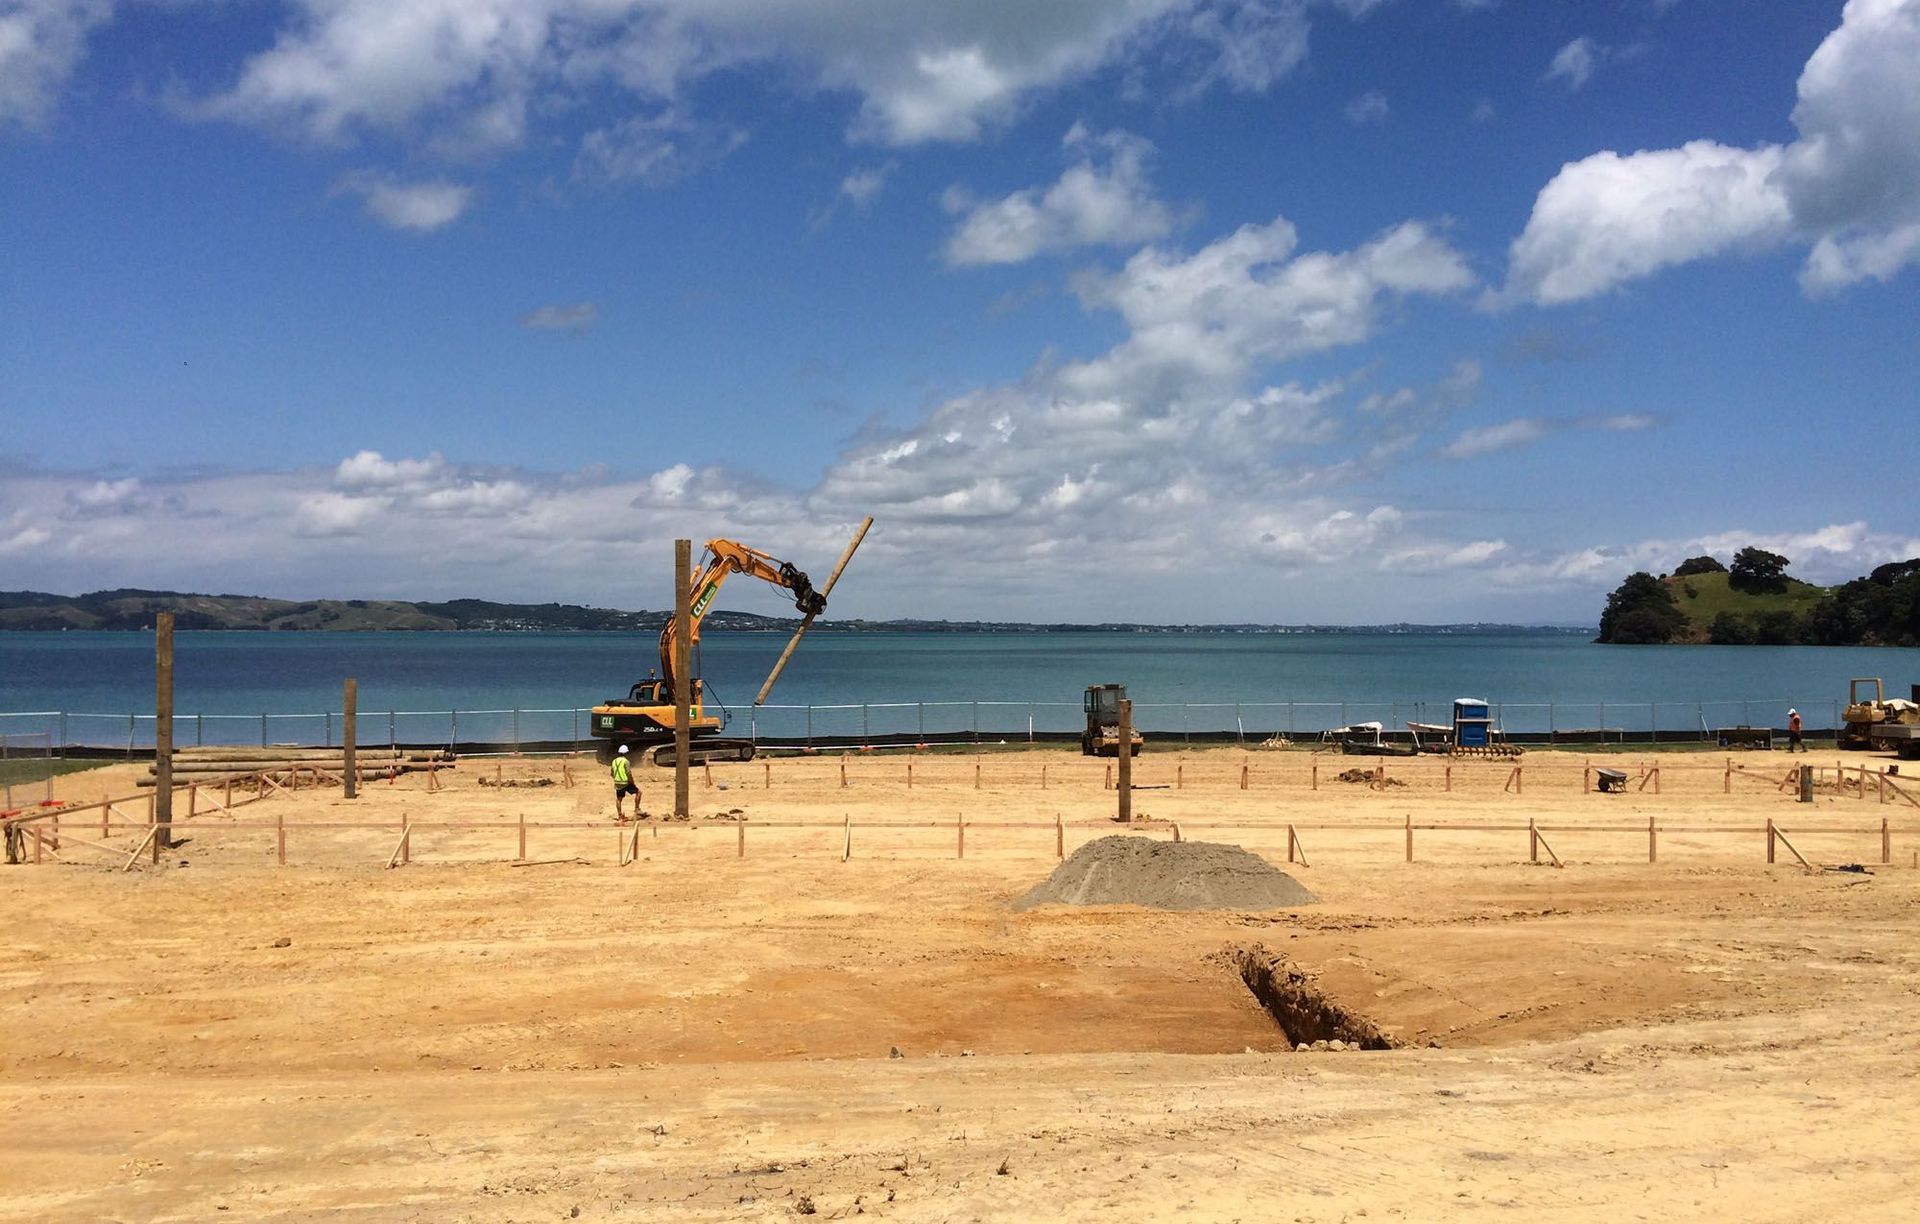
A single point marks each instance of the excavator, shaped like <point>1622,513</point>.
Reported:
<point>644,717</point>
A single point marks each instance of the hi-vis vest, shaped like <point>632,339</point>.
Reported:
<point>621,775</point>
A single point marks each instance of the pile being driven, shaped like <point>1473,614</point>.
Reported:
<point>1121,870</point>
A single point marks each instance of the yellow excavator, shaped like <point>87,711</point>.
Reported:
<point>644,717</point>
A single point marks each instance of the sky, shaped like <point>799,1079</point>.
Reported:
<point>1179,311</point>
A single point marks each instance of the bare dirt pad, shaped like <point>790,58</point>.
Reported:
<point>1167,875</point>
<point>705,1036</point>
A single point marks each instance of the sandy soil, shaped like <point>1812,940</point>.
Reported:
<point>706,1036</point>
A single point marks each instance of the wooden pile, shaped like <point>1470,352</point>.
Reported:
<point>201,764</point>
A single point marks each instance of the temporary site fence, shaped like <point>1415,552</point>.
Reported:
<point>907,722</point>
<point>26,766</point>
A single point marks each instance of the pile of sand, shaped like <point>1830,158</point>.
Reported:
<point>1166,875</point>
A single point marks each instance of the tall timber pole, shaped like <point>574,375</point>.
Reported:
<point>1125,771</point>
<point>682,679</point>
<point>350,740</point>
<point>162,733</point>
<point>780,665</point>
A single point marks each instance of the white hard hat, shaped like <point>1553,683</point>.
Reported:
<point>623,750</point>
<point>1793,711</point>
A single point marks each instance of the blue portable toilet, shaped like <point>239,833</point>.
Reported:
<point>1472,724</point>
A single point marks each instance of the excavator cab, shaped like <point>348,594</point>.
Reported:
<point>1102,736</point>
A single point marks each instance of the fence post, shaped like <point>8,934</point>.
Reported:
<point>1652,842</point>
<point>1769,839</point>
<point>1886,842</point>
<point>1409,837</point>
<point>1533,842</point>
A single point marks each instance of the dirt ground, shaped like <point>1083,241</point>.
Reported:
<point>701,1035</point>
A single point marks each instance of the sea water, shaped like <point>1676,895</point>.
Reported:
<point>900,683</point>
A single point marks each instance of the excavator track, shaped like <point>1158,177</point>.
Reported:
<point>702,751</point>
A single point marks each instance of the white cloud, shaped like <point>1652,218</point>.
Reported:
<point>1626,422</point>
<point>420,207</point>
<point>1849,185</point>
<point>476,73</point>
<point>654,150</point>
<point>579,317</point>
<point>369,469</point>
<point>1609,219</point>
<point>1102,198</point>
<point>336,514</point>
<point>1833,553</point>
<point>1573,64</point>
<point>1250,297</point>
<point>1369,108</point>
<point>863,186</point>
<point>40,43</point>
<point>1490,438</point>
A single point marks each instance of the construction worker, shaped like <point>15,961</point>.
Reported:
<point>623,785</point>
<point>1793,732</point>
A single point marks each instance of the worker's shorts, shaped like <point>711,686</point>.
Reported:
<point>629,789</point>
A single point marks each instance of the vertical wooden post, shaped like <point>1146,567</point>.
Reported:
<point>1316,776</point>
<point>976,775</point>
<point>682,677</point>
<point>193,800</point>
<point>843,773</point>
<point>846,848</point>
<point>226,793</point>
<point>740,844</point>
<point>1180,777</point>
<point>1770,839</point>
<point>1886,842</point>
<point>960,836</point>
<point>1533,842</point>
<point>1652,842</point>
<point>1043,777</point>
<point>1106,780</point>
<point>1516,780</point>
<point>106,820</point>
<point>1726,779</point>
<point>1409,837</point>
<point>350,737</point>
<point>1125,761</point>
<point>1449,777</point>
<point>523,837</point>
<point>1291,843</point>
<point>1656,779</point>
<point>1243,777</point>
<point>280,834</point>
<point>1883,787</point>
<point>162,818</point>
<point>1060,836</point>
<point>767,783</point>
<point>909,775</point>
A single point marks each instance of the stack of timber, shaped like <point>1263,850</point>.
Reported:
<point>203,764</point>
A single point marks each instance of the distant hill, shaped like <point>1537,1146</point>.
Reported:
<point>1755,602</point>
<point>1705,597</point>
<point>135,609</point>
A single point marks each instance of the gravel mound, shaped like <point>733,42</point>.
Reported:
<point>1143,871</point>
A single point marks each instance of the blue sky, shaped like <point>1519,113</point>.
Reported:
<point>1166,310</point>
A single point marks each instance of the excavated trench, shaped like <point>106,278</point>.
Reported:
<point>1293,998</point>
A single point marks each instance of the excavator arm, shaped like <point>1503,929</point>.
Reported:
<point>724,558</point>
